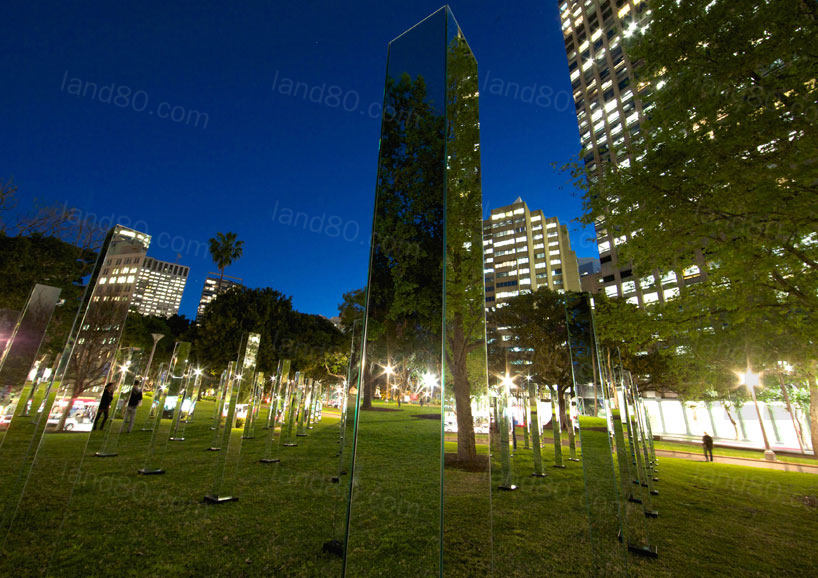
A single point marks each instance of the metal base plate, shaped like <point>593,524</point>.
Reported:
<point>334,547</point>
<point>643,550</point>
<point>210,499</point>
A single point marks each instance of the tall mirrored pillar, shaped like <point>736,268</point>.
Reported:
<point>424,329</point>
<point>77,391</point>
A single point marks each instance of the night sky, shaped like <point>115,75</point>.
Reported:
<point>200,128</point>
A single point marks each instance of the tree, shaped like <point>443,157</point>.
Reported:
<point>721,183</point>
<point>725,166</point>
<point>535,323</point>
<point>352,309</point>
<point>94,350</point>
<point>138,330</point>
<point>465,320</point>
<point>225,248</point>
<point>28,260</point>
<point>285,334</point>
<point>404,300</point>
<point>61,222</point>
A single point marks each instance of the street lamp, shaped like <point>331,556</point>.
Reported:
<point>389,370</point>
<point>752,380</point>
<point>156,338</point>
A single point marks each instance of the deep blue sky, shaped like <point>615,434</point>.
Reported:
<point>263,153</point>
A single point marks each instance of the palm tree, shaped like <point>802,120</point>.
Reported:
<point>224,249</point>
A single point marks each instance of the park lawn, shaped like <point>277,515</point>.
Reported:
<point>713,518</point>
<point>732,452</point>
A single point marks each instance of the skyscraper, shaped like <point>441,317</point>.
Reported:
<point>523,250</point>
<point>609,109</point>
<point>159,288</point>
<point>212,288</point>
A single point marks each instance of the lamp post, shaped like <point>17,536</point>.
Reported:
<point>156,338</point>
<point>752,380</point>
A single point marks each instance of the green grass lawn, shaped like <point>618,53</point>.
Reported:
<point>713,518</point>
<point>732,452</point>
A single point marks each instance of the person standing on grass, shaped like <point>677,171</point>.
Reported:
<point>707,442</point>
<point>133,403</point>
<point>104,405</point>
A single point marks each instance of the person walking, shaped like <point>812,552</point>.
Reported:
<point>104,405</point>
<point>707,442</point>
<point>133,403</point>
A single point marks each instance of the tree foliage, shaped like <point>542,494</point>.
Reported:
<point>725,164</point>
<point>722,177</point>
<point>28,260</point>
<point>535,325</point>
<point>285,334</point>
<point>225,249</point>
<point>138,330</point>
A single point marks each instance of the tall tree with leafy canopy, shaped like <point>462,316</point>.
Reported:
<point>285,334</point>
<point>723,174</point>
<point>465,318</point>
<point>535,322</point>
<point>405,287</point>
<point>726,161</point>
<point>225,249</point>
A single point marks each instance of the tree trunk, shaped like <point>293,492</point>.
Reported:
<point>799,434</point>
<point>466,447</point>
<point>65,413</point>
<point>368,388</point>
<point>594,372</point>
<point>730,417</point>
<point>611,389</point>
<point>563,412</point>
<point>813,412</point>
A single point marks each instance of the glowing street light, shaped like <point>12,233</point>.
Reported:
<point>752,380</point>
<point>388,370</point>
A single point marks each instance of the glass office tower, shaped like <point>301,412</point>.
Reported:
<point>608,101</point>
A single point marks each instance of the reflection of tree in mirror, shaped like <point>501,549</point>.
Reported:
<point>536,323</point>
<point>94,350</point>
<point>404,309</point>
<point>465,314</point>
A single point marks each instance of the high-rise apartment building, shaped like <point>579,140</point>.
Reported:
<point>523,251</point>
<point>609,110</point>
<point>212,288</point>
<point>159,288</point>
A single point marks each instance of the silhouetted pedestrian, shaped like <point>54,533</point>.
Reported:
<point>707,442</point>
<point>104,405</point>
<point>133,403</point>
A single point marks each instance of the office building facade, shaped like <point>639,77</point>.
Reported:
<point>524,250</point>
<point>159,288</point>
<point>609,110</point>
<point>213,288</point>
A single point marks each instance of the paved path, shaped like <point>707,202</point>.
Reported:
<point>783,466</point>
